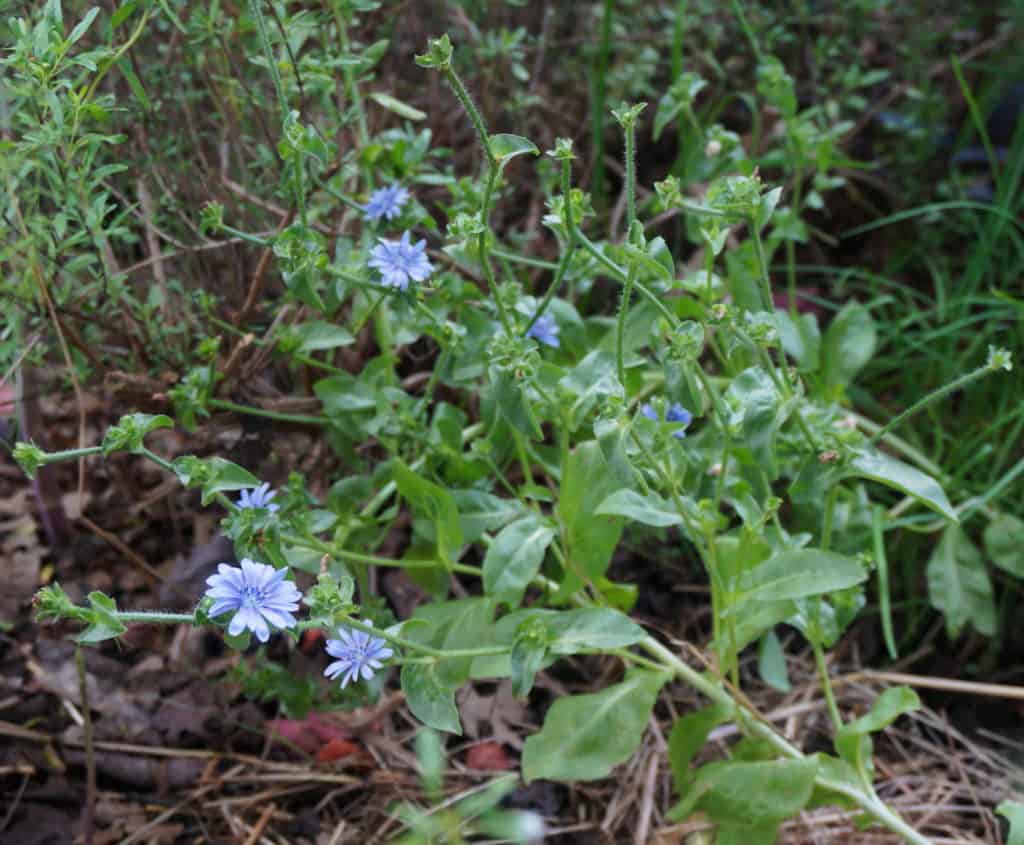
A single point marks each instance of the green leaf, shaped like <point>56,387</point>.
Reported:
<point>850,343</point>
<point>688,736</point>
<point>1013,812</point>
<point>771,662</point>
<point>591,539</point>
<point>104,623</point>
<point>959,586</point>
<point>798,573</point>
<point>801,338</point>
<point>749,794</point>
<point>459,624</point>
<point>648,510</point>
<point>226,476</point>
<point>853,741</point>
<point>393,104</point>
<point>580,629</point>
<point>879,467</point>
<point>430,701</point>
<point>83,25</point>
<point>1004,543</point>
<point>585,736</point>
<point>514,558</point>
<point>480,511</point>
<point>437,505</point>
<point>318,335</point>
<point>505,147</point>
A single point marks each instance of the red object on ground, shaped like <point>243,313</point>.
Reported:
<point>488,756</point>
<point>313,734</point>
<point>336,749</point>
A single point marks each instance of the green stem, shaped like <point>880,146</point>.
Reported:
<point>630,162</point>
<point>261,25</point>
<point>826,685</point>
<point>303,419</point>
<point>70,454</point>
<point>762,260</point>
<point>749,721</point>
<point>160,462</point>
<point>737,8</point>
<point>934,396</point>
<point>620,331</point>
<point>155,617</point>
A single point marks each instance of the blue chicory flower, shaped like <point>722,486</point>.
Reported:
<point>258,595</point>
<point>545,330</point>
<point>676,413</point>
<point>400,261</point>
<point>386,202</point>
<point>359,656</point>
<point>258,497</point>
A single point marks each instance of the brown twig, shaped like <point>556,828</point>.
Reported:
<point>89,808</point>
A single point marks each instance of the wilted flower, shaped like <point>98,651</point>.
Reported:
<point>257,593</point>
<point>545,330</point>
<point>258,497</point>
<point>386,202</point>
<point>400,261</point>
<point>359,656</point>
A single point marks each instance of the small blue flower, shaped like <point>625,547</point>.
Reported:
<point>258,497</point>
<point>545,330</point>
<point>258,595</point>
<point>359,656</point>
<point>400,261</point>
<point>676,413</point>
<point>386,202</point>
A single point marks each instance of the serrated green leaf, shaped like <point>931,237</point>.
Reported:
<point>514,558</point>
<point>585,736</point>
<point>959,586</point>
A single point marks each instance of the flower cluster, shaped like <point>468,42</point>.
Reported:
<point>260,597</point>
<point>676,413</point>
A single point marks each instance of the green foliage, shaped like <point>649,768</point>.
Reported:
<point>512,419</point>
<point>584,736</point>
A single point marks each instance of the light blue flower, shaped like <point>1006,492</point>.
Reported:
<point>386,202</point>
<point>258,595</point>
<point>400,261</point>
<point>258,497</point>
<point>545,330</point>
<point>676,413</point>
<point>359,656</point>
